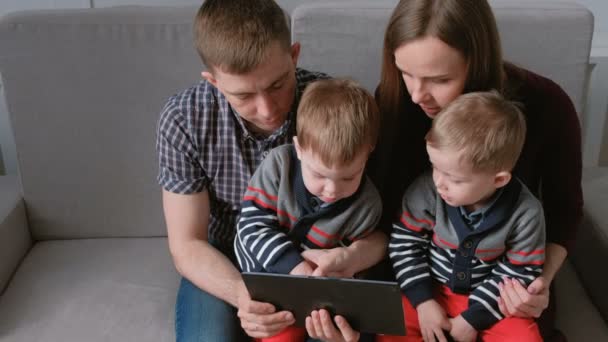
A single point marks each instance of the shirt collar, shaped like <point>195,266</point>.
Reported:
<point>479,214</point>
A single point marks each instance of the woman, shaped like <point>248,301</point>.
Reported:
<point>436,50</point>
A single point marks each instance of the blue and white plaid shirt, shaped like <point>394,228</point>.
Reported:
<point>203,143</point>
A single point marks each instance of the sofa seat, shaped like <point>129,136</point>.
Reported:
<point>92,290</point>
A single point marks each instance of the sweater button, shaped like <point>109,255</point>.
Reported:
<point>461,276</point>
<point>468,244</point>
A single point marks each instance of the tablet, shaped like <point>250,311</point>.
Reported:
<point>368,305</point>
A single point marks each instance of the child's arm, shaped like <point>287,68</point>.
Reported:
<point>410,239</point>
<point>260,240</point>
<point>522,261</point>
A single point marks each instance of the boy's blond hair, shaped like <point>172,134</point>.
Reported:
<point>489,130</point>
<point>337,119</point>
<point>235,35</point>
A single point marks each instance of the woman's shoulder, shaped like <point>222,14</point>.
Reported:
<point>526,86</point>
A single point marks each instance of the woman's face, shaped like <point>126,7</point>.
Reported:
<point>434,72</point>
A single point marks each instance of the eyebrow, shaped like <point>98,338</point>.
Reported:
<point>426,77</point>
<point>278,80</point>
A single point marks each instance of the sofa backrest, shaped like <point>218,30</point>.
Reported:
<point>84,89</point>
<point>345,38</point>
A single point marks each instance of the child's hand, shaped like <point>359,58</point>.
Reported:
<point>433,321</point>
<point>302,269</point>
<point>461,330</point>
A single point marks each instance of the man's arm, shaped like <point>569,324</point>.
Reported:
<point>187,219</point>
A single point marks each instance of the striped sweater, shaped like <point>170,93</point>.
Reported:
<point>431,240</point>
<point>279,217</point>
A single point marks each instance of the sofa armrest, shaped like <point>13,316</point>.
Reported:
<point>591,247</point>
<point>15,239</point>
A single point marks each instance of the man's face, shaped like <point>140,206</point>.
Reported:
<point>264,96</point>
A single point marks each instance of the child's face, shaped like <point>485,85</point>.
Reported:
<point>331,183</point>
<point>458,184</point>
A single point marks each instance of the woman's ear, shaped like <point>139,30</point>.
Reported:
<point>502,178</point>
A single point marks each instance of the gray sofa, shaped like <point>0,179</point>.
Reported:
<point>83,250</point>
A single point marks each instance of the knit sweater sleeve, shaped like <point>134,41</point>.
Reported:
<point>410,240</point>
<point>522,261</point>
<point>260,241</point>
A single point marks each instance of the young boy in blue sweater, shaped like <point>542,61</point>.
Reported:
<point>466,225</point>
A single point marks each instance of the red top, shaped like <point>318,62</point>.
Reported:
<point>550,163</point>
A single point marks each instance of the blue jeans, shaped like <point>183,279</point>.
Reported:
<point>201,317</point>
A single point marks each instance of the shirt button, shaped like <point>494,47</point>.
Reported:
<point>461,276</point>
<point>468,244</point>
<point>265,154</point>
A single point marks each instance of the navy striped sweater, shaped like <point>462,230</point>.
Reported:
<point>432,241</point>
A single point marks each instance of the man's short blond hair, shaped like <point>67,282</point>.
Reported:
<point>236,35</point>
<point>337,119</point>
<point>489,130</point>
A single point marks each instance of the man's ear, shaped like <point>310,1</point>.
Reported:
<point>502,178</point>
<point>209,77</point>
<point>295,53</point>
<point>297,146</point>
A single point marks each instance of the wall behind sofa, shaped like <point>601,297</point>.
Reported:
<point>595,125</point>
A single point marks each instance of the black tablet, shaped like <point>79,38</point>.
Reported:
<point>368,305</point>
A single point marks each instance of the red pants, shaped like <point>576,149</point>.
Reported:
<point>288,334</point>
<point>507,329</point>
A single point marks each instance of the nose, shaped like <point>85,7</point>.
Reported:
<point>417,91</point>
<point>266,106</point>
<point>439,181</point>
<point>330,188</point>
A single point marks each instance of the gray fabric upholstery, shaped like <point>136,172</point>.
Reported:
<point>577,316</point>
<point>591,247</point>
<point>344,38</point>
<point>84,89</point>
<point>92,290</point>
<point>15,238</point>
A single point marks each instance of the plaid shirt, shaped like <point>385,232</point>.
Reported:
<point>203,143</point>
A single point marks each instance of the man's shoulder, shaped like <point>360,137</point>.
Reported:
<point>192,98</point>
<point>303,76</point>
<point>196,105</point>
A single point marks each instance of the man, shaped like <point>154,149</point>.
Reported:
<point>211,137</point>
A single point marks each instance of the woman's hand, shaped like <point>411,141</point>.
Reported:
<point>320,326</point>
<point>302,269</point>
<point>335,262</point>
<point>515,300</point>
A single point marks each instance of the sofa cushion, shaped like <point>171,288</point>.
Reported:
<point>84,89</point>
<point>92,290</point>
<point>591,247</point>
<point>576,315</point>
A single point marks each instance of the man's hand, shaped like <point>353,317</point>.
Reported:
<point>335,262</point>
<point>320,326</point>
<point>515,300</point>
<point>259,319</point>
<point>433,321</point>
<point>461,330</point>
<point>302,269</point>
